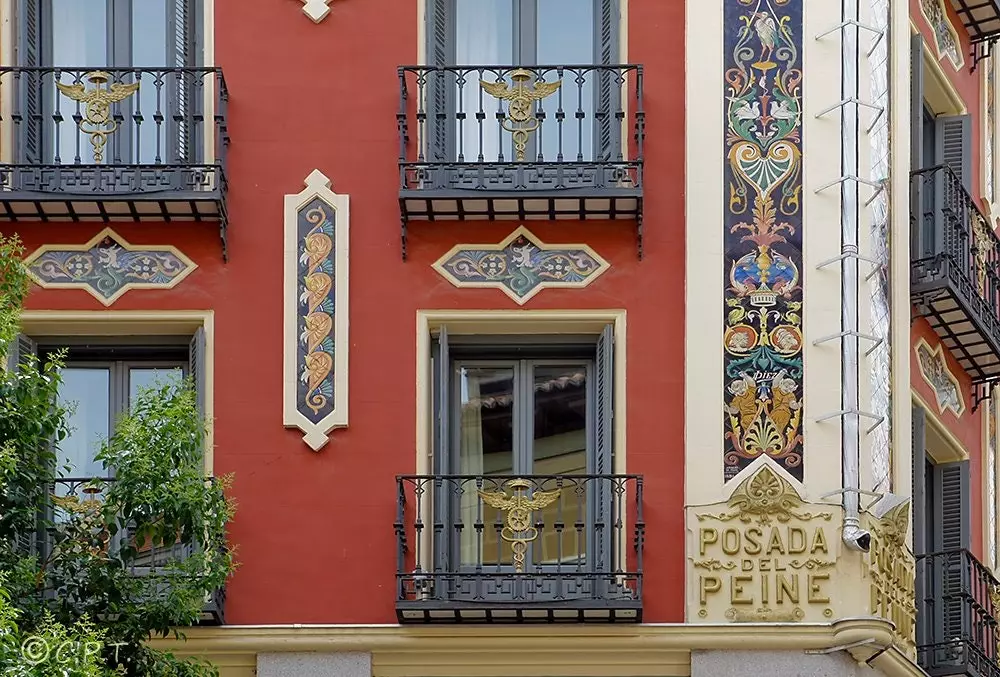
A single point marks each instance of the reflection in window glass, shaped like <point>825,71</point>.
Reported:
<point>141,377</point>
<point>87,394</point>
<point>149,49</point>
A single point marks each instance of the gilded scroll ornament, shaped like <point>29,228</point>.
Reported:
<point>518,530</point>
<point>520,120</point>
<point>762,315</point>
<point>763,497</point>
<point>316,306</point>
<point>983,245</point>
<point>97,120</point>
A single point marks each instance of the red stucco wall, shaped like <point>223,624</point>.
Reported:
<point>314,530</point>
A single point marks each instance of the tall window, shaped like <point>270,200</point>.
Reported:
<point>110,34</point>
<point>520,407</point>
<point>526,33</point>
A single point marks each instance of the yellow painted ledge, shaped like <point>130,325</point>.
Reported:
<point>577,651</point>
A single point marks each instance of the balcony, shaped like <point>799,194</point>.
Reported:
<point>117,144</point>
<point>954,279</point>
<point>981,18</point>
<point>521,143</point>
<point>149,561</point>
<point>506,549</point>
<point>956,616</point>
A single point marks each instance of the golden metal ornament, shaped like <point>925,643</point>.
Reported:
<point>518,530</point>
<point>983,244</point>
<point>520,121</point>
<point>97,111</point>
<point>763,497</point>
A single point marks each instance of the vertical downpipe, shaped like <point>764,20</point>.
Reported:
<point>849,220</point>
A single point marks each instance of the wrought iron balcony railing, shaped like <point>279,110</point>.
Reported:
<point>957,615</point>
<point>81,494</point>
<point>114,144</point>
<point>503,548</point>
<point>954,275</point>
<point>521,142</point>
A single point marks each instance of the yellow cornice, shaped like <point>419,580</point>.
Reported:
<point>582,649</point>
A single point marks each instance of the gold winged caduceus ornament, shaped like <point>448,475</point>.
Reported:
<point>518,530</point>
<point>96,119</point>
<point>520,121</point>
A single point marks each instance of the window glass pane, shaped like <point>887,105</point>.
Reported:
<point>149,48</point>
<point>560,448</point>
<point>87,393</point>
<point>483,37</point>
<point>486,447</point>
<point>565,37</point>
<point>79,37</point>
<point>144,377</point>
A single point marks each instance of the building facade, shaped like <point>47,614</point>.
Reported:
<point>691,312</point>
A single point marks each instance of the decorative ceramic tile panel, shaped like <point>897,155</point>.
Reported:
<point>316,9</point>
<point>945,37</point>
<point>316,310</point>
<point>108,266</point>
<point>521,265</point>
<point>763,234</point>
<point>934,369</point>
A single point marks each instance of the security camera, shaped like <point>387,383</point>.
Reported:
<point>858,539</point>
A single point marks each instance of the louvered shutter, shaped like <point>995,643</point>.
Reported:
<point>918,433</point>
<point>952,533</point>
<point>184,88</point>
<point>20,351</point>
<point>609,103</point>
<point>197,367</point>
<point>953,139</point>
<point>954,145</point>
<point>604,512</point>
<point>27,114</point>
<point>917,160</point>
<point>443,462</point>
<point>440,88</point>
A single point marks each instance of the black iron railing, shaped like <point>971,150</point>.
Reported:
<point>955,261</point>
<point>91,142</point>
<point>543,547</point>
<point>74,498</point>
<point>471,129</point>
<point>957,615</point>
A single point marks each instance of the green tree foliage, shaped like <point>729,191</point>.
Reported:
<point>115,561</point>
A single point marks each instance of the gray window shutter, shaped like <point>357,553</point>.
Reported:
<point>27,114</point>
<point>184,89</point>
<point>609,87</point>
<point>918,432</point>
<point>954,146</point>
<point>952,533</point>
<point>20,351</point>
<point>443,463</point>
<point>605,513</point>
<point>197,367</point>
<point>440,85</point>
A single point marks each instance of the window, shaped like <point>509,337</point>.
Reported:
<point>573,123</point>
<point>526,407</point>
<point>100,380</point>
<point>155,37</point>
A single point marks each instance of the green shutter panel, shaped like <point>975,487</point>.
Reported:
<point>604,512</point>
<point>27,114</point>
<point>609,87</point>
<point>954,146</point>
<point>952,533</point>
<point>440,91</point>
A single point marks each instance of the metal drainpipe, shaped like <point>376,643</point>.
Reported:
<point>849,221</point>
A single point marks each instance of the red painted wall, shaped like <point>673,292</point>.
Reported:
<point>314,530</point>
<point>969,428</point>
